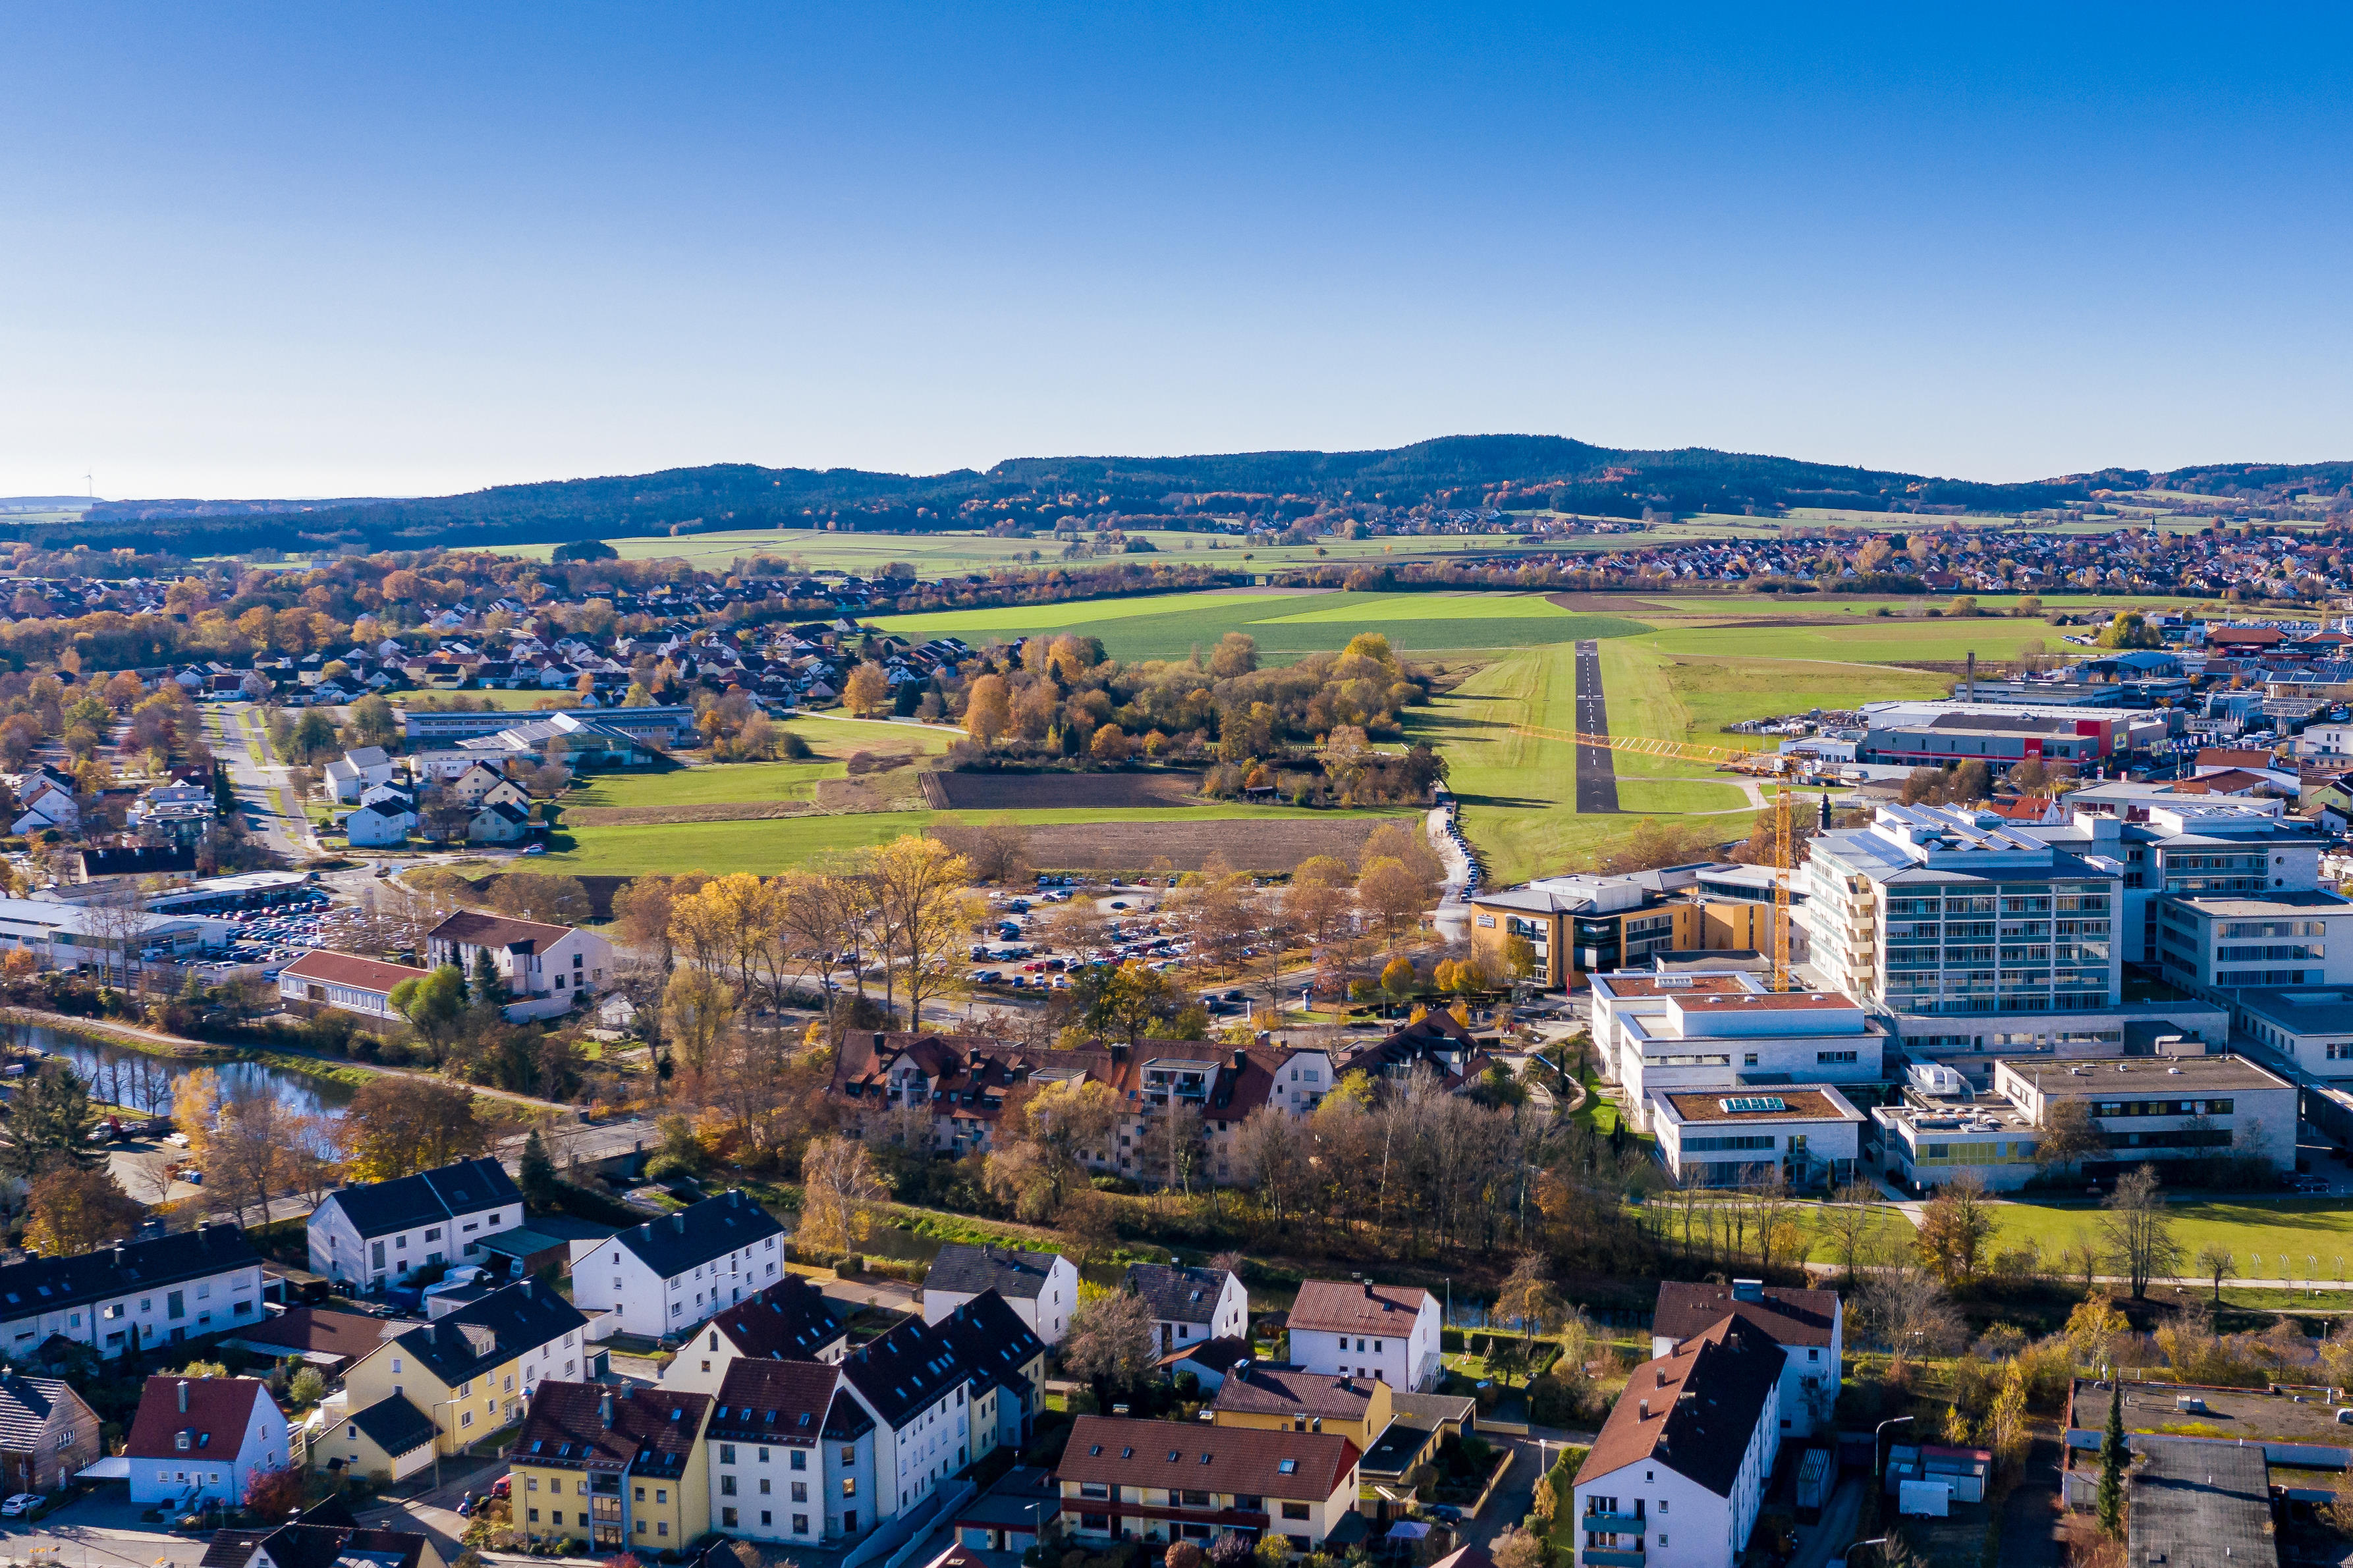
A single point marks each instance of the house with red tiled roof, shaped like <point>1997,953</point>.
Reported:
<point>547,969</point>
<point>1808,1325</point>
<point>196,1439</point>
<point>1358,1329</point>
<point>1301,1485</point>
<point>346,981</point>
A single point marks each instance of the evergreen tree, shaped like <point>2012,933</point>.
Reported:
<point>2114,1457</point>
<point>224,793</point>
<point>51,1115</point>
<point>539,1182</point>
<point>487,987</point>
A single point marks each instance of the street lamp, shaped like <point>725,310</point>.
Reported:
<point>436,1439</point>
<point>1878,1464</point>
<point>1878,1541</point>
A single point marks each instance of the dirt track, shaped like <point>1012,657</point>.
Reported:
<point>1061,791</point>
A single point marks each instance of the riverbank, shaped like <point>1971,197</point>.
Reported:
<point>148,1042</point>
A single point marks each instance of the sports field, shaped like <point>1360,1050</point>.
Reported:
<point>2267,1239</point>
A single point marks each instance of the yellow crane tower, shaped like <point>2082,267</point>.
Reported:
<point>1767,765</point>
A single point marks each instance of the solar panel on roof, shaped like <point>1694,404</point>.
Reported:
<point>1748,1104</point>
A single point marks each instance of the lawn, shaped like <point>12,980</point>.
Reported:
<point>2317,1228</point>
<point>836,736</point>
<point>724,782</point>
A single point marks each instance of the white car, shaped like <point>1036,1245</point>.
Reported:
<point>21,1504</point>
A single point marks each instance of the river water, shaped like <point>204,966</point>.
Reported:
<point>121,1075</point>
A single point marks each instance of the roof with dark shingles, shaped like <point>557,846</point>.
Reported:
<point>381,1208</point>
<point>347,1334</point>
<point>695,1234</point>
<point>231,1548</point>
<point>25,1406</point>
<point>789,1318</point>
<point>329,1546</point>
<point>992,1342</point>
<point>1179,1295</point>
<point>774,1400</point>
<point>394,1424</point>
<point>51,1284</point>
<point>498,1327</point>
<point>494,931</point>
<point>1729,1368</point>
<point>967,1271</point>
<point>1789,1317</point>
<point>653,1431</point>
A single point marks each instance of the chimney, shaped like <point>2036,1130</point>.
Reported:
<point>1368,1290</point>
<point>677,1222</point>
<point>1645,1411</point>
<point>118,1254</point>
<point>526,1288</point>
<point>604,1409</point>
<point>1748,1289</point>
<point>183,1396</point>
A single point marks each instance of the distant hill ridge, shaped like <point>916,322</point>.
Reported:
<point>1450,471</point>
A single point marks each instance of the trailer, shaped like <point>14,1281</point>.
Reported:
<point>1932,1500</point>
<point>1815,1480</point>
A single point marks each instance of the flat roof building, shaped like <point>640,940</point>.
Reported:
<point>1806,1134</point>
<point>1660,1033</point>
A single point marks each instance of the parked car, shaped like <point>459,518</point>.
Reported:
<point>23,1505</point>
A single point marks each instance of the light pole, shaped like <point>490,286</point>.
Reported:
<point>436,1439</point>
<point>1878,1464</point>
<point>1878,1541</point>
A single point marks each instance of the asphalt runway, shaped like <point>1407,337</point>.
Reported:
<point>1597,776</point>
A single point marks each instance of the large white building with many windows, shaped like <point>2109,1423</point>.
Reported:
<point>666,1275</point>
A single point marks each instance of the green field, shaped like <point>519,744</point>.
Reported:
<point>1285,626</point>
<point>2319,1228</point>
<point>722,782</point>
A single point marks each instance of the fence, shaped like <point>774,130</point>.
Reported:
<point>903,1534</point>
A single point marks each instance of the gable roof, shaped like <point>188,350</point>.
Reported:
<point>380,1208</point>
<point>1342,1306</point>
<point>1123,1451</point>
<point>499,1327</point>
<point>50,1284</point>
<point>1281,1390</point>
<point>789,1318</point>
<point>648,1430</point>
<point>330,968</point>
<point>714,1227</point>
<point>220,1409</point>
<point>992,1342</point>
<point>495,931</point>
<point>329,1546</point>
<point>318,1331</point>
<point>1179,1295</point>
<point>966,1269</point>
<point>1692,1409</point>
<point>774,1400</point>
<point>1788,1317</point>
<point>26,1403</point>
<point>394,1425</point>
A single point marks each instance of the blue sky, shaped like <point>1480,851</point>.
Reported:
<point>333,250</point>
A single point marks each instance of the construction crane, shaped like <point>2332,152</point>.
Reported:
<point>1769,764</point>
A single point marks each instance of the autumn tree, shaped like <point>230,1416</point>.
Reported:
<point>1111,1342</point>
<point>868,690</point>
<point>1954,1226</point>
<point>398,1126</point>
<point>2068,1135</point>
<point>1529,1299</point>
<point>72,1209</point>
<point>839,1192</point>
<point>988,709</point>
<point>923,910</point>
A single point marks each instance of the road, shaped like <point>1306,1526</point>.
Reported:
<point>240,742</point>
<point>1597,776</point>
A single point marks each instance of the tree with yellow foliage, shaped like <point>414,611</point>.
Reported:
<point>923,908</point>
<point>839,1191</point>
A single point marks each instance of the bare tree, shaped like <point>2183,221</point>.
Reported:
<point>2138,1230</point>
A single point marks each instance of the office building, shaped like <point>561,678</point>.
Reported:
<point>1658,1033</point>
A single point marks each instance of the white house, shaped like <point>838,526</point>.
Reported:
<point>346,981</point>
<point>1191,1305</point>
<point>198,1439</point>
<point>378,827</point>
<point>482,784</point>
<point>1042,1288</point>
<point>668,1275</point>
<point>349,775</point>
<point>498,821</point>
<point>789,1319</point>
<point>546,967</point>
<point>1808,1325</point>
<point>1678,1472</point>
<point>382,1233</point>
<point>1358,1329</point>
<point>782,1440</point>
<point>943,1395</point>
<point>46,805</point>
<point>122,1298</point>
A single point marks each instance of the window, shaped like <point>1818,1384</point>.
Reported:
<point>727,1518</point>
<point>726,1453</point>
<point>800,1460</point>
<point>800,1523</point>
<point>727,1486</point>
<point>1294,1510</point>
<point>849,1486</point>
<point>800,1491</point>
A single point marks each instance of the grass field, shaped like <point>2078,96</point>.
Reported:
<point>705,786</point>
<point>1285,626</point>
<point>2317,1228</point>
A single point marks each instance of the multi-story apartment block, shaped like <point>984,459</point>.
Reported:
<point>1677,1474</point>
<point>1660,1033</point>
<point>470,1372</point>
<point>788,1321</point>
<point>1160,1482</point>
<point>1808,1325</point>
<point>790,1453</point>
<point>127,1297</point>
<point>666,1275</point>
<point>619,1467</point>
<point>943,1395</point>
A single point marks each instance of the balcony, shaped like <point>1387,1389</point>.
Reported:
<point>1612,1557</point>
<point>1613,1523</point>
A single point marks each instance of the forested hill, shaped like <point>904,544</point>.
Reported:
<point>1455,471</point>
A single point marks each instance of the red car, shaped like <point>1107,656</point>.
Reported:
<point>502,1487</point>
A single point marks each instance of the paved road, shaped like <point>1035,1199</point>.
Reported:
<point>1596,777</point>
<point>2029,1521</point>
<point>239,741</point>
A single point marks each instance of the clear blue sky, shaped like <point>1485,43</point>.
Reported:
<point>342,250</point>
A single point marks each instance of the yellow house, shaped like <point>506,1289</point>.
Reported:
<point>1279,1399</point>
<point>612,1468</point>
<point>467,1374</point>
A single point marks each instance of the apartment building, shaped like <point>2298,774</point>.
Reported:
<point>133,1295</point>
<point>547,969</point>
<point>1585,924</point>
<point>1161,1482</point>
<point>1042,1288</point>
<point>787,1321</point>
<point>1806,1134</point>
<point>1660,1033</point>
<point>1808,1325</point>
<point>612,1468</point>
<point>470,1372</point>
<point>668,1275</point>
<point>943,1395</point>
<point>790,1453</point>
<point>379,1233</point>
<point>1357,1328</point>
<point>1677,1473</point>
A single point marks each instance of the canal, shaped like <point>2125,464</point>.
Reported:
<point>121,1076</point>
